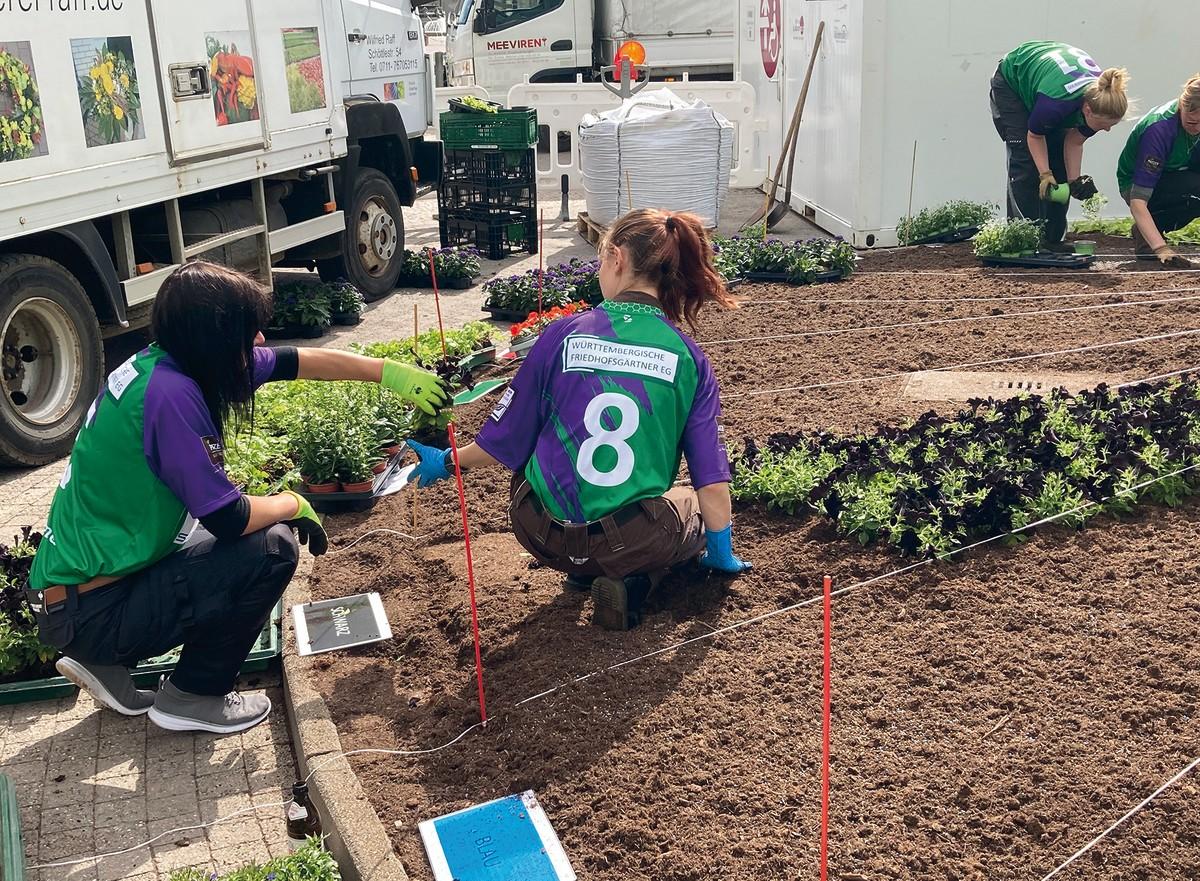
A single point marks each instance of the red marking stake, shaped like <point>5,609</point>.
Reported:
<point>826,724</point>
<point>462,505</point>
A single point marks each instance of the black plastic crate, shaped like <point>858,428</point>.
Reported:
<point>496,232</point>
<point>465,196</point>
<point>501,168</point>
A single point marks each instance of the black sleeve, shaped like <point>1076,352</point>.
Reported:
<point>230,521</point>
<point>287,364</point>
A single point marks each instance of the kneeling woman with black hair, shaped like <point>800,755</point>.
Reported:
<point>120,576</point>
<point>599,416</point>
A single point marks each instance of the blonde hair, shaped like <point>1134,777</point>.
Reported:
<point>1189,99</point>
<point>1106,96</point>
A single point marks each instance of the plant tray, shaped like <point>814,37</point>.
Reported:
<point>12,849</point>
<point>1043,260</point>
<point>340,502</point>
<point>424,281</point>
<point>294,332</point>
<point>784,278</point>
<point>495,232</point>
<point>346,319</point>
<point>513,129</point>
<point>508,314</point>
<point>480,358</point>
<point>947,238</point>
<point>457,106</point>
<point>147,672</point>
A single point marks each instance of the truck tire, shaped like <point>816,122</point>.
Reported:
<point>373,243</point>
<point>52,359</point>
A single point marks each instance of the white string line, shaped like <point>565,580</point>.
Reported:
<point>967,270</point>
<point>922,300</point>
<point>1135,809</point>
<point>371,532</point>
<point>838,331</point>
<point>116,853</point>
<point>886,376</point>
<point>674,647</point>
<point>1159,376</point>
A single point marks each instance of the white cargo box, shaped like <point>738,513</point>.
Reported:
<point>116,105</point>
<point>891,72</point>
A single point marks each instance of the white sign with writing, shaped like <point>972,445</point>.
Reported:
<point>328,625</point>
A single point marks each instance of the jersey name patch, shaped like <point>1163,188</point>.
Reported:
<point>121,378</point>
<point>587,354</point>
<point>215,449</point>
<point>1153,164</point>
<point>502,405</point>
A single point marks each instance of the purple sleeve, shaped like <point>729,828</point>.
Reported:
<point>1049,114</point>
<point>511,432</point>
<point>703,442</point>
<point>182,446</point>
<point>1153,150</point>
<point>264,364</point>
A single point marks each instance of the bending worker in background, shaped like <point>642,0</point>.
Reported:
<point>1159,174</point>
<point>597,418</point>
<point>1047,100</point>
<point>116,579</point>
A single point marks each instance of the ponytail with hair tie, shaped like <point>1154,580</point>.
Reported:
<point>671,223</point>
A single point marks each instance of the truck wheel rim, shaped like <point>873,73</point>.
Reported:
<point>377,237</point>
<point>42,361</point>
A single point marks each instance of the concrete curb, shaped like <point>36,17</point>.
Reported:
<point>354,833</point>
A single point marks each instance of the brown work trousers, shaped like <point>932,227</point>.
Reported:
<point>643,537</point>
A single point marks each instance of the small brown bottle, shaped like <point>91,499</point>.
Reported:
<point>302,818</point>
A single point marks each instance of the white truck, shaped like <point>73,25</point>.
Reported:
<point>138,134</point>
<point>497,44</point>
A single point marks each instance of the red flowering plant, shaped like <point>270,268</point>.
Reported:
<point>536,322</point>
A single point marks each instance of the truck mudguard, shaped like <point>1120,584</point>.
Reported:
<point>377,139</point>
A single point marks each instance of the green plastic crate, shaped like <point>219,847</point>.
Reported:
<point>148,672</point>
<point>12,849</point>
<point>515,129</point>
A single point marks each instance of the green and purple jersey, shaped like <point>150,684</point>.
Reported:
<point>603,409</point>
<point>147,464</point>
<point>1157,144</point>
<point>1050,78</point>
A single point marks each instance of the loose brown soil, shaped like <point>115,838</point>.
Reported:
<point>990,716</point>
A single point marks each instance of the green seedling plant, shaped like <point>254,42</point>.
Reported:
<point>345,299</point>
<point>311,862</point>
<point>1094,224</point>
<point>953,216</point>
<point>1008,237</point>
<point>20,648</point>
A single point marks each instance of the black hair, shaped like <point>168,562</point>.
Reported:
<point>206,317</point>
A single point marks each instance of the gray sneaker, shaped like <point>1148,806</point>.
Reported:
<point>110,687</point>
<point>177,710</point>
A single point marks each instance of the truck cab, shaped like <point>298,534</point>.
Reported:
<point>495,44</point>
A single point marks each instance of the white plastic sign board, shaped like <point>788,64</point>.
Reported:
<point>342,623</point>
<point>509,839</point>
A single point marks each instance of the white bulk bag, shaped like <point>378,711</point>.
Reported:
<point>667,152</point>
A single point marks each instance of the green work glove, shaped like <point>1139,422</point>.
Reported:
<point>308,525</point>
<point>415,385</point>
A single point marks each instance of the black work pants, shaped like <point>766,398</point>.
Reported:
<point>1176,199</point>
<point>1012,123</point>
<point>212,597</point>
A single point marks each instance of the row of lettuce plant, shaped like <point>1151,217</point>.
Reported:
<point>939,483</point>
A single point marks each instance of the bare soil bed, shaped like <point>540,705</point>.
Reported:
<point>990,716</point>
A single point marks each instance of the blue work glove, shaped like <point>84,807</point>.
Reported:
<point>434,464</point>
<point>718,553</point>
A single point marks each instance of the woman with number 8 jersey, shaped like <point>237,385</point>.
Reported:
<point>1047,99</point>
<point>598,418</point>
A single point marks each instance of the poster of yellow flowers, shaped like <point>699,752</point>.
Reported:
<point>231,71</point>
<point>22,128</point>
<point>108,90</point>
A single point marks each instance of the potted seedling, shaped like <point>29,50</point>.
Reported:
<point>316,449</point>
<point>393,421</point>
<point>955,221</point>
<point>354,462</point>
<point>346,303</point>
<point>457,267</point>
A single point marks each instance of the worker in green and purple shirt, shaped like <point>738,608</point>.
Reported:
<point>1159,174</point>
<point>598,418</point>
<point>149,545</point>
<point>1047,99</point>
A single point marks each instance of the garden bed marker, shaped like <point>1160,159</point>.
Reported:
<point>826,724</point>
<point>507,838</point>
<point>541,254</point>
<point>341,623</point>
<point>462,506</point>
<point>416,340</point>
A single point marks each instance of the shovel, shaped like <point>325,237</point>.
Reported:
<point>780,210</point>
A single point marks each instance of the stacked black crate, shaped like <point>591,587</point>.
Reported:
<point>488,198</point>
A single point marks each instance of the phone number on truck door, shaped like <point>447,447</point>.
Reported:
<point>35,6</point>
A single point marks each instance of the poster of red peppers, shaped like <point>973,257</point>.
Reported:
<point>234,91</point>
